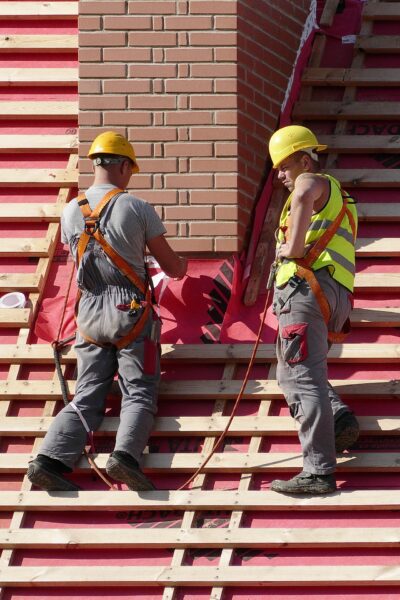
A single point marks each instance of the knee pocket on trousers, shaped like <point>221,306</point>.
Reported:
<point>294,342</point>
<point>296,411</point>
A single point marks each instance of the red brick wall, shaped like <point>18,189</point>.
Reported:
<point>196,85</point>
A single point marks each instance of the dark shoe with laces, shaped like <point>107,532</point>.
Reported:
<point>347,431</point>
<point>45,473</point>
<point>121,466</point>
<point>305,483</point>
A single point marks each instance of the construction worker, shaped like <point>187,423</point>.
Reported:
<point>118,330</point>
<point>314,278</point>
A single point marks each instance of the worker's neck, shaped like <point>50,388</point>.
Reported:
<point>107,177</point>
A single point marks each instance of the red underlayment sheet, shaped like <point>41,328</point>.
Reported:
<point>206,308</point>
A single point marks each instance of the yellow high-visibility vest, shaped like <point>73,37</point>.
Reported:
<point>339,255</point>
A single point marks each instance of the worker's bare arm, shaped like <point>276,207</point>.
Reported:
<point>170,262</point>
<point>308,196</point>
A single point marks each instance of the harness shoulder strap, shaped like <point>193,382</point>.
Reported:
<point>92,230</point>
<point>91,218</point>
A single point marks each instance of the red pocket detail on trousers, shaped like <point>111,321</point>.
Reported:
<point>294,342</point>
<point>150,357</point>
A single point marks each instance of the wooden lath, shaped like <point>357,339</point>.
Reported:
<point>56,144</point>
<point>351,77</point>
<point>332,537</point>
<point>227,462</point>
<point>38,10</point>
<point>323,110</point>
<point>207,426</point>
<point>260,389</point>
<point>261,576</point>
<point>260,500</point>
<point>42,178</point>
<point>208,354</point>
<point>30,213</point>
<point>38,43</point>
<point>35,77</point>
<point>42,109</point>
<point>382,11</point>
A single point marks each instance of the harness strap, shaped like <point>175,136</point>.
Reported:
<point>92,231</point>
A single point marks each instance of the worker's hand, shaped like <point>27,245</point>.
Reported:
<point>283,251</point>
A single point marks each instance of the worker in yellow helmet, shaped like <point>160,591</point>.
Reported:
<point>107,230</point>
<point>314,278</point>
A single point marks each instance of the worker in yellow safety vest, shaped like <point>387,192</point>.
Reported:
<point>107,230</point>
<point>314,278</point>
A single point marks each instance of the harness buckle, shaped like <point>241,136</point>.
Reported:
<point>91,225</point>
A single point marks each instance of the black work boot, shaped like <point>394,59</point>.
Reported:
<point>123,467</point>
<point>47,473</point>
<point>347,431</point>
<point>305,483</point>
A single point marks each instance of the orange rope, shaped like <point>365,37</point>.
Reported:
<point>238,399</point>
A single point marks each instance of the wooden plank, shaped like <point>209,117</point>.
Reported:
<point>238,576</point>
<point>351,77</point>
<point>199,426</point>
<point>38,110</point>
<point>378,212</point>
<point>10,76</point>
<point>382,11</point>
<point>15,317</point>
<point>38,43</point>
<point>199,353</point>
<point>248,537</point>
<point>38,10</point>
<point>25,247</point>
<point>367,178</point>
<point>28,212</point>
<point>372,317</point>
<point>38,178</point>
<point>228,462</point>
<point>358,500</point>
<point>39,143</point>
<point>350,144</point>
<point>378,44</point>
<point>377,282</point>
<point>261,389</point>
<point>329,13</point>
<point>23,282</point>
<point>377,247</point>
<point>348,110</point>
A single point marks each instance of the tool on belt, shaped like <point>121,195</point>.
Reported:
<point>305,272</point>
<point>92,230</point>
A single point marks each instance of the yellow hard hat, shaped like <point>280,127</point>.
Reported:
<point>291,139</point>
<point>110,142</point>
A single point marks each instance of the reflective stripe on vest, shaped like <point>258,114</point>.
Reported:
<point>339,255</point>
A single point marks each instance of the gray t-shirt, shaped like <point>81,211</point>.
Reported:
<point>127,224</point>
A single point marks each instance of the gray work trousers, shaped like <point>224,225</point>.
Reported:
<point>302,373</point>
<point>138,368</point>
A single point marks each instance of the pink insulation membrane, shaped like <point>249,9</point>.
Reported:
<point>206,308</point>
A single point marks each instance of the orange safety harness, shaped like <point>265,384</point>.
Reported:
<point>92,230</point>
<point>304,268</point>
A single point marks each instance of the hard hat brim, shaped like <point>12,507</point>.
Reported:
<point>318,148</point>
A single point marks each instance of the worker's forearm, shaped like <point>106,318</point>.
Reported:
<point>178,269</point>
